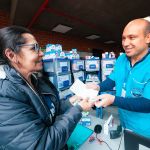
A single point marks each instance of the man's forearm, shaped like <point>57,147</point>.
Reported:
<point>106,85</point>
<point>133,104</point>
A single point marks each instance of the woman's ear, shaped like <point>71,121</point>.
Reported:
<point>11,56</point>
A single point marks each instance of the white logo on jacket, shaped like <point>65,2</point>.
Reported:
<point>2,72</point>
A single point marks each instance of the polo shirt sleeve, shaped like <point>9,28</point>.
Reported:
<point>147,87</point>
<point>133,104</point>
<point>107,84</point>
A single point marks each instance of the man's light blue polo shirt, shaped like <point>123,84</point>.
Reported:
<point>135,81</point>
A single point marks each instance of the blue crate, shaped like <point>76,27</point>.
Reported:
<point>77,64</point>
<point>65,94</point>
<point>92,64</point>
<point>79,75</point>
<point>60,81</point>
<point>57,66</point>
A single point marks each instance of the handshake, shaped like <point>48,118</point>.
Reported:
<point>89,93</point>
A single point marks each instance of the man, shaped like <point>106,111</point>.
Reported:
<point>131,77</point>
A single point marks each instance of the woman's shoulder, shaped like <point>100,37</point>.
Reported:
<point>9,87</point>
<point>12,91</point>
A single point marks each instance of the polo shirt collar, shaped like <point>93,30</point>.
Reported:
<point>139,60</point>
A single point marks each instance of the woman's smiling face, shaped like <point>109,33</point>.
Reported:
<point>30,56</point>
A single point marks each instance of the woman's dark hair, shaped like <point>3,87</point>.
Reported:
<point>10,37</point>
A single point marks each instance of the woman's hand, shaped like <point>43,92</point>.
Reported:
<point>104,100</point>
<point>86,104</point>
<point>75,99</point>
<point>93,85</point>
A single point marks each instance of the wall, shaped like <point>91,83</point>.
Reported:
<point>68,42</point>
<point>4,19</point>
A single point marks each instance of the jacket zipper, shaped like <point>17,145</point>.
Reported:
<point>38,97</point>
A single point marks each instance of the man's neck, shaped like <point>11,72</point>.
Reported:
<point>137,58</point>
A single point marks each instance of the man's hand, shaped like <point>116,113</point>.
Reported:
<point>104,100</point>
<point>93,85</point>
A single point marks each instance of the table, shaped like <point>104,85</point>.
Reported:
<point>95,145</point>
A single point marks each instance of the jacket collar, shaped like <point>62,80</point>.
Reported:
<point>8,72</point>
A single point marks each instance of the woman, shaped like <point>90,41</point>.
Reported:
<point>31,115</point>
